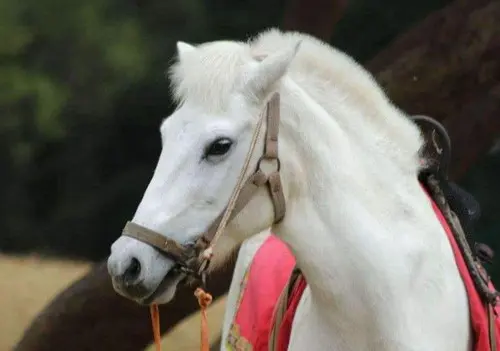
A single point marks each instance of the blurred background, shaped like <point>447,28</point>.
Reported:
<point>83,90</point>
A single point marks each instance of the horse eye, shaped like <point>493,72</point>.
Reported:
<point>219,147</point>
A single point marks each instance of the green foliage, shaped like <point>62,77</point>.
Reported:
<point>57,53</point>
<point>63,63</point>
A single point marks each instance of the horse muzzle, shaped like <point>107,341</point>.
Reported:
<point>140,273</point>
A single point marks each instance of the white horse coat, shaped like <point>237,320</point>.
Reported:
<point>380,269</point>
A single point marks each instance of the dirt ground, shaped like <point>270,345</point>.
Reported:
<point>21,276</point>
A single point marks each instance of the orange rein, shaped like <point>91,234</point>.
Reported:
<point>204,300</point>
<point>155,320</point>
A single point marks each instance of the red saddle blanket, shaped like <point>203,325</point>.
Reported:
<point>268,275</point>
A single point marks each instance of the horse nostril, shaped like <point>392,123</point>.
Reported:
<point>132,272</point>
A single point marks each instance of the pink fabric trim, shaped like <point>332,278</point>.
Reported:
<point>478,310</point>
<point>269,272</point>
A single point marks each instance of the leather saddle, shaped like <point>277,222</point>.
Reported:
<point>437,154</point>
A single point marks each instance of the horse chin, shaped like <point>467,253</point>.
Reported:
<point>165,292</point>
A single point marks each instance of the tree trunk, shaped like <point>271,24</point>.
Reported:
<point>315,17</point>
<point>90,315</point>
<point>448,67</point>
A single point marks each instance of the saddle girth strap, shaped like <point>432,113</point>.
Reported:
<point>281,307</point>
<point>480,278</point>
<point>491,328</point>
<point>488,295</point>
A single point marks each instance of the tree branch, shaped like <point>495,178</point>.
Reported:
<point>90,315</point>
<point>315,17</point>
<point>447,67</point>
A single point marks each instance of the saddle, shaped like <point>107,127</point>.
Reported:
<point>461,211</point>
<point>437,154</point>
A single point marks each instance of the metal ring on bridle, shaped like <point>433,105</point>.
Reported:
<point>270,159</point>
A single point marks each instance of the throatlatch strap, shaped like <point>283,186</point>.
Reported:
<point>280,308</point>
<point>247,192</point>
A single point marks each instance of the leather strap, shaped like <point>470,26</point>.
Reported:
<point>242,194</point>
<point>179,252</point>
<point>280,308</point>
<point>168,246</point>
<point>479,277</point>
<point>272,130</point>
<point>491,328</point>
<point>488,295</point>
<point>271,154</point>
<point>247,192</point>
<point>272,116</point>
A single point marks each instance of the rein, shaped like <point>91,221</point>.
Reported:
<point>194,259</point>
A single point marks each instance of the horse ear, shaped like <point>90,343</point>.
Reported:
<point>267,72</point>
<point>184,48</point>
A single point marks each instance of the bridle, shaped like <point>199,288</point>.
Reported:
<point>194,259</point>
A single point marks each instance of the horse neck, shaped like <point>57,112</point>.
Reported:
<point>357,225</point>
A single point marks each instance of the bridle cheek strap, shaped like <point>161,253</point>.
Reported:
<point>241,196</point>
<point>271,154</point>
<point>245,191</point>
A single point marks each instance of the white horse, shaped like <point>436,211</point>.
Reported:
<point>380,269</point>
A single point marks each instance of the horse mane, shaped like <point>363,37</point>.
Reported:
<point>331,78</point>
